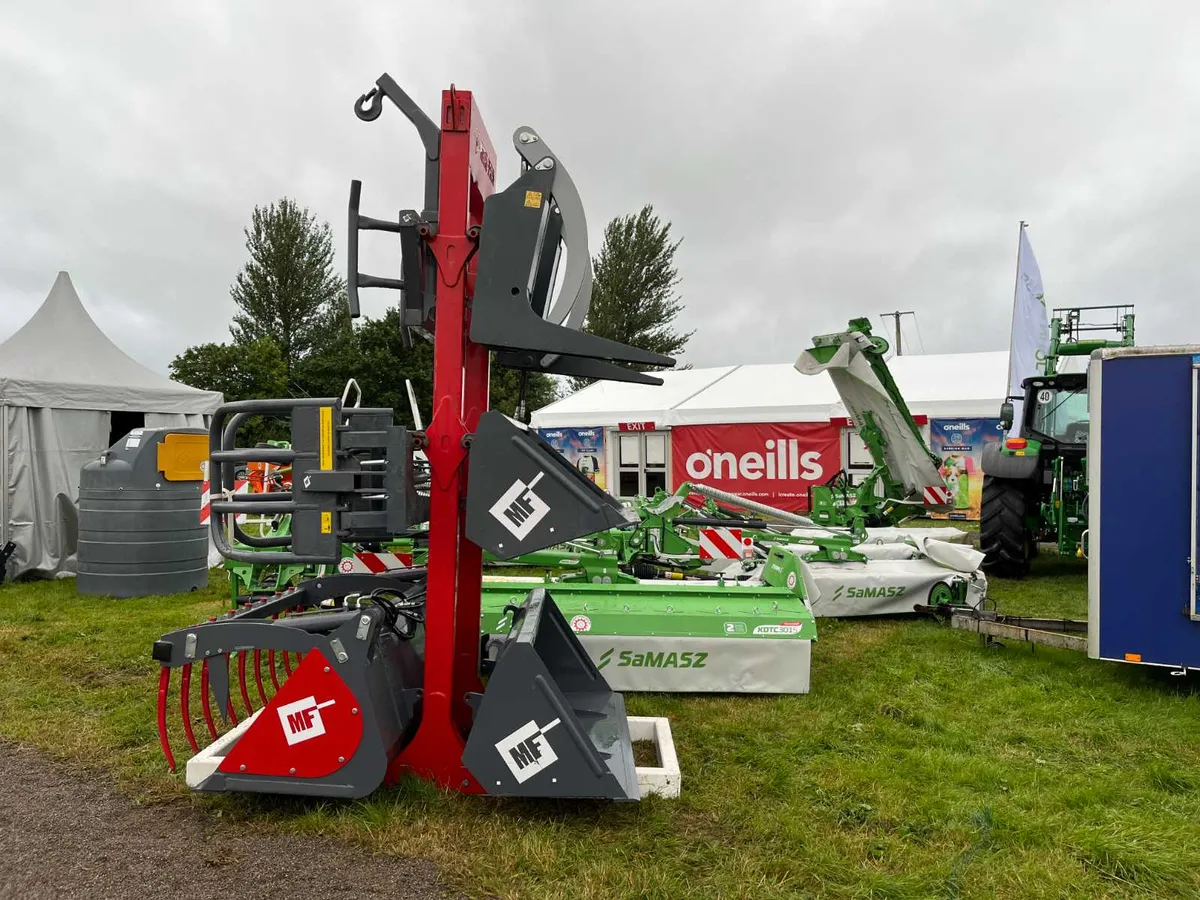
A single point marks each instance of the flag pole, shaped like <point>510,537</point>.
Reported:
<point>1013,320</point>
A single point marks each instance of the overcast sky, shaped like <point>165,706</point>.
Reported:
<point>820,160</point>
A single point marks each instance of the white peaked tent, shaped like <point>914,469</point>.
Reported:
<point>64,389</point>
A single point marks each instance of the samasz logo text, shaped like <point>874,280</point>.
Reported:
<point>519,509</point>
<point>302,720</point>
<point>882,591</point>
<point>629,659</point>
<point>526,751</point>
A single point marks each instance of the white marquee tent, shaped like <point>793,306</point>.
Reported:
<point>67,393</point>
<point>956,385</point>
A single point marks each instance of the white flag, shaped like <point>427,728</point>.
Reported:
<point>1030,341</point>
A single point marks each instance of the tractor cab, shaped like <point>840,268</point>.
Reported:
<point>1055,416</point>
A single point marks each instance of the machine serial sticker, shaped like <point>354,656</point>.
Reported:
<point>326,415</point>
<point>326,523</point>
<point>526,751</point>
<point>784,628</point>
<point>533,199</point>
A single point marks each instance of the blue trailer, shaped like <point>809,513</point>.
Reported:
<point>1143,506</point>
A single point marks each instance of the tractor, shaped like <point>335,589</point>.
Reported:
<point>1035,480</point>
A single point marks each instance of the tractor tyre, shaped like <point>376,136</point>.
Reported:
<point>1004,539</point>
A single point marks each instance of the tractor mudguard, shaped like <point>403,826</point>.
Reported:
<point>1012,468</point>
<point>548,724</point>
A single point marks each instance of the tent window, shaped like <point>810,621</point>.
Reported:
<point>122,423</point>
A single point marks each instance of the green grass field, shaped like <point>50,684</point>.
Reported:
<point>921,765</point>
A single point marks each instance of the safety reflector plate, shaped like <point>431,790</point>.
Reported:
<point>311,727</point>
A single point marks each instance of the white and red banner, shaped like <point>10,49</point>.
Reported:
<point>770,463</point>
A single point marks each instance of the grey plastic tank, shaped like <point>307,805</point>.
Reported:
<point>139,516</point>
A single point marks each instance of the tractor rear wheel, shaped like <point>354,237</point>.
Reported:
<point>1004,538</point>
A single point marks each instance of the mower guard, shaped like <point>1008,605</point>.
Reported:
<point>549,725</point>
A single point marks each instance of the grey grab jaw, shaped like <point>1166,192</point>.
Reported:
<point>576,292</point>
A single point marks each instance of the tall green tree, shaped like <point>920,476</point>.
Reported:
<point>288,291</point>
<point>633,296</point>
<point>249,371</point>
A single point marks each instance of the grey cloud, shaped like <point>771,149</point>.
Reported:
<point>819,160</point>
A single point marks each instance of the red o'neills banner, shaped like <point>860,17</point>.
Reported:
<point>771,463</point>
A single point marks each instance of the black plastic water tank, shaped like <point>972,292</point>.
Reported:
<point>139,516</point>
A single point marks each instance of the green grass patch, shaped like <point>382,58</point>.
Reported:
<point>922,765</point>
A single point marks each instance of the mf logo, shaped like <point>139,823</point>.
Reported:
<point>526,751</point>
<point>301,720</point>
<point>519,509</point>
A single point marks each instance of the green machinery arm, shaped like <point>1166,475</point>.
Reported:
<point>1067,325</point>
<point>903,463</point>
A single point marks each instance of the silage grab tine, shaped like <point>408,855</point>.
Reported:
<point>207,708</point>
<point>271,665</point>
<point>185,710</point>
<point>262,693</point>
<point>164,686</point>
<point>242,682</point>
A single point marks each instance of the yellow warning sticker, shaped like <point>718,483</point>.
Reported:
<point>1133,657</point>
<point>533,199</point>
<point>326,523</point>
<point>326,438</point>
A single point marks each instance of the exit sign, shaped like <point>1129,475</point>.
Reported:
<point>635,426</point>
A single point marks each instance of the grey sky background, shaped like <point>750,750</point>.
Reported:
<point>820,160</point>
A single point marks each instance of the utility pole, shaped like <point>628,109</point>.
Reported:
<point>896,315</point>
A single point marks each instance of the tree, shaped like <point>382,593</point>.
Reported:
<point>250,371</point>
<point>287,291</point>
<point>505,388</point>
<point>246,372</point>
<point>374,355</point>
<point>633,295</point>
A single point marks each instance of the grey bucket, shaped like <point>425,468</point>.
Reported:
<point>548,724</point>
<point>139,530</point>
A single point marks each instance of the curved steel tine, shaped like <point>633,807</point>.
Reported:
<point>242,682</point>
<point>185,690</point>
<point>271,666</point>
<point>287,663</point>
<point>207,708</point>
<point>164,686</point>
<point>262,694</point>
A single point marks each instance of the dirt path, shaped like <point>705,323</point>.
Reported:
<point>64,836</point>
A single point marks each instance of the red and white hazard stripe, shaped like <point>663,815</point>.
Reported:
<point>374,563</point>
<point>725,543</point>
<point>937,495</point>
<point>239,487</point>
